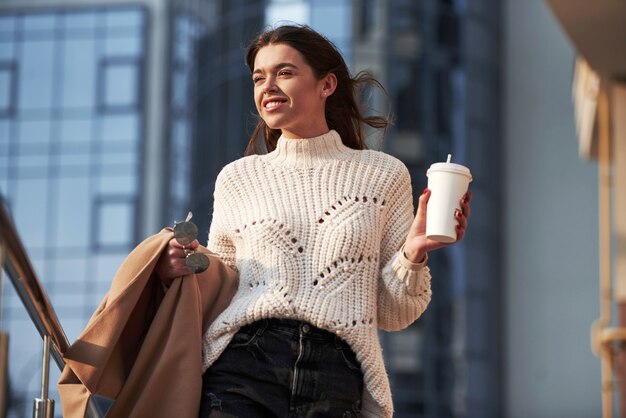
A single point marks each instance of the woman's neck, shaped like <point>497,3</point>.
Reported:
<point>309,152</point>
<point>313,131</point>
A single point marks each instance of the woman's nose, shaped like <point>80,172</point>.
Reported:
<point>269,86</point>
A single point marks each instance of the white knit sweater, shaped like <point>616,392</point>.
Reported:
<point>314,229</point>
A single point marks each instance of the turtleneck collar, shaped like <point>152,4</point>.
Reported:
<point>309,152</point>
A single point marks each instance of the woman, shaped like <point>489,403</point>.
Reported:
<point>323,236</point>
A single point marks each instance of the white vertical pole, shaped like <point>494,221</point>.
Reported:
<point>44,407</point>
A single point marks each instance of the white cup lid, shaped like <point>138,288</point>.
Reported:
<point>450,168</point>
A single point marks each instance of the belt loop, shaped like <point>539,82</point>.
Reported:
<point>263,324</point>
<point>338,342</point>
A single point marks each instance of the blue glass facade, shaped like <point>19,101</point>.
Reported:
<point>187,33</point>
<point>70,158</point>
<point>226,114</point>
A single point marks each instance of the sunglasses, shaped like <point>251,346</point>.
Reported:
<point>185,233</point>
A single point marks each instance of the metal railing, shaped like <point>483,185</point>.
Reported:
<point>36,302</point>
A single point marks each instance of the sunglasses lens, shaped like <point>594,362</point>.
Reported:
<point>185,232</point>
<point>197,262</point>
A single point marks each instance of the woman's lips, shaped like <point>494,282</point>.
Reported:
<point>272,104</point>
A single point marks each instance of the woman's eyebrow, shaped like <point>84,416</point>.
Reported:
<point>278,67</point>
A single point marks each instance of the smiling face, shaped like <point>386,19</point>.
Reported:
<point>287,94</point>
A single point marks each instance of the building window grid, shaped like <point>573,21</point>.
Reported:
<point>187,33</point>
<point>428,390</point>
<point>131,101</point>
<point>45,257</point>
<point>53,173</point>
<point>112,223</point>
<point>367,18</point>
<point>8,82</point>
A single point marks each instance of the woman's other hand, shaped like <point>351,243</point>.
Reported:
<point>172,262</point>
<point>417,245</point>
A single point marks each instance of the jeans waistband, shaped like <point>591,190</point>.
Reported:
<point>294,327</point>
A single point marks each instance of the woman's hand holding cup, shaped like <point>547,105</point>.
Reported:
<point>447,199</point>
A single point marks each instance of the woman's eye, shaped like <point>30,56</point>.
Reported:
<point>257,79</point>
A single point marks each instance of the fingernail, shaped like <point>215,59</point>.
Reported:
<point>425,190</point>
<point>457,213</point>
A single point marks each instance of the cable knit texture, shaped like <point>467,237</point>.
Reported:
<point>314,229</point>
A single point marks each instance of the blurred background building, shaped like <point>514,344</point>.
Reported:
<point>116,116</point>
<point>599,96</point>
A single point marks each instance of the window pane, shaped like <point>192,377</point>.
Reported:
<point>7,51</point>
<point>70,271</point>
<point>83,21</point>
<point>35,78</point>
<point>79,68</point>
<point>34,138</point>
<point>6,79</point>
<point>298,12</point>
<point>74,208</point>
<point>120,85</point>
<point>73,171</point>
<point>116,184</point>
<point>126,158</point>
<point>75,147</point>
<point>125,32</point>
<point>32,161</point>
<point>37,172</point>
<point>39,22</point>
<point>179,88</point>
<point>4,183</point>
<point>130,18</point>
<point>24,339</point>
<point>35,132</point>
<point>7,27</point>
<point>180,153</point>
<point>122,46</point>
<point>182,41</point>
<point>120,128</point>
<point>332,19</point>
<point>4,140</point>
<point>404,345</point>
<point>29,210</point>
<point>76,130</point>
<point>106,267</point>
<point>117,147</point>
<point>115,223</point>
<point>76,159</point>
<point>5,130</point>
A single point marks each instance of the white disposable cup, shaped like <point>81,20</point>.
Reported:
<point>447,182</point>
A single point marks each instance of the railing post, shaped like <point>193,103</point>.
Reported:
<point>44,407</point>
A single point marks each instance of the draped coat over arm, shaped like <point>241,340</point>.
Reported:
<point>142,347</point>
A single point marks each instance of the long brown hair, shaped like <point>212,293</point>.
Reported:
<point>343,112</point>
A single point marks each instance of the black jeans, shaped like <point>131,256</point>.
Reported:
<point>284,369</point>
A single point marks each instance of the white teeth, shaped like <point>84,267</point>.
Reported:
<point>271,105</point>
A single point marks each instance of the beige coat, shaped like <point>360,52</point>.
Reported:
<point>143,347</point>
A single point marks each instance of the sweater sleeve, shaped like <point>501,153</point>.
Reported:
<point>220,238</point>
<point>404,287</point>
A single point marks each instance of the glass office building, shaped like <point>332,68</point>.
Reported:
<point>438,59</point>
<point>105,137</point>
<point>115,118</point>
<point>71,136</point>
